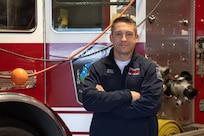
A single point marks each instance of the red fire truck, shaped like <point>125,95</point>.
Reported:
<point>56,41</point>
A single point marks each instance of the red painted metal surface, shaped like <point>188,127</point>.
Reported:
<point>199,80</point>
<point>10,61</point>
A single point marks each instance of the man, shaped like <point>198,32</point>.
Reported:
<point>123,89</point>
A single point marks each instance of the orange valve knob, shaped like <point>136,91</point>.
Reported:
<point>19,76</point>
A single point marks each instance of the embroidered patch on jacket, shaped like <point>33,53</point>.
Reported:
<point>159,75</point>
<point>110,71</point>
<point>134,71</point>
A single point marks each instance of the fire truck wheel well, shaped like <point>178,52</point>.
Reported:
<point>37,119</point>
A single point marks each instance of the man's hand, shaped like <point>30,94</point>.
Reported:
<point>100,88</point>
<point>135,95</point>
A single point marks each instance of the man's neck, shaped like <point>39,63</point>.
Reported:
<point>122,57</point>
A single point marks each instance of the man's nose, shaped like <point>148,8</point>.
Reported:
<point>124,37</point>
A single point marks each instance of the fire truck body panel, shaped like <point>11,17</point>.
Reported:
<point>199,33</point>
<point>26,105</point>
<point>62,94</point>
<point>55,93</point>
<point>27,44</point>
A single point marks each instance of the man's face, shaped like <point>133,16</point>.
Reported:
<point>123,38</point>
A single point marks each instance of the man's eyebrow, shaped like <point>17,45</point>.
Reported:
<point>122,31</point>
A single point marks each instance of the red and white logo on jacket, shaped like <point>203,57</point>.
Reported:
<point>134,71</point>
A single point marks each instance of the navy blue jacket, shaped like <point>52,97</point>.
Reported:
<point>114,112</point>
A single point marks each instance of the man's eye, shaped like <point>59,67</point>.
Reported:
<point>129,34</point>
<point>118,34</point>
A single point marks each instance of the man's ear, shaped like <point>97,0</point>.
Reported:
<point>137,37</point>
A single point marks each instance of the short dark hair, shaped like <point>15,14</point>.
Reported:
<point>124,19</point>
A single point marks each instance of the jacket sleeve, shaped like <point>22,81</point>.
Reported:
<point>98,101</point>
<point>150,100</point>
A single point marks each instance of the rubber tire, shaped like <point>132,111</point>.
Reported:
<point>12,131</point>
<point>13,127</point>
